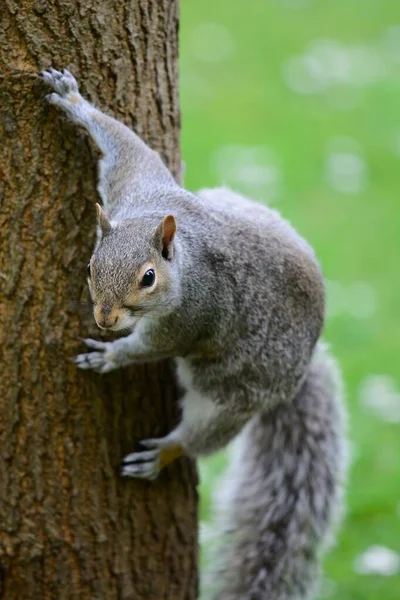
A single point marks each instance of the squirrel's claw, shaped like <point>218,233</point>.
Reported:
<point>145,465</point>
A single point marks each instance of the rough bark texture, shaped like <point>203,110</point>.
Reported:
<point>70,527</point>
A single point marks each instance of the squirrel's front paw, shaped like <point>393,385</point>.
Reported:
<point>102,361</point>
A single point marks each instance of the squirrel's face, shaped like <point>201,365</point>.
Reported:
<point>132,273</point>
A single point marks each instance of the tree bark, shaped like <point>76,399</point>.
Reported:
<point>70,526</point>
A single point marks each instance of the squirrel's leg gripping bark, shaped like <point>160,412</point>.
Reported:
<point>127,163</point>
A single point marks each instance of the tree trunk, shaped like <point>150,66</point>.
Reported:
<point>70,526</point>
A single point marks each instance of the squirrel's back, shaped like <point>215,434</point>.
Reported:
<point>235,207</point>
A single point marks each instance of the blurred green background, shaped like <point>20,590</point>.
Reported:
<point>297,103</point>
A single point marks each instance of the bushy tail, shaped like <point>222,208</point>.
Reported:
<point>284,490</point>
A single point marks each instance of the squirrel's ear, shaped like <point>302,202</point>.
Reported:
<point>165,234</point>
<point>102,220</point>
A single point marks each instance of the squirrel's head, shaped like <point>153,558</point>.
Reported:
<point>133,271</point>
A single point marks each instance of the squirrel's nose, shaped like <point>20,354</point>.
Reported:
<point>105,316</point>
<point>106,321</point>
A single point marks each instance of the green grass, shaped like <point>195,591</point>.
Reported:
<point>243,100</point>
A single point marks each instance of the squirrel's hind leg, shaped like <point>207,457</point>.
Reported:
<point>127,163</point>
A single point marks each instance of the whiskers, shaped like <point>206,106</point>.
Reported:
<point>148,311</point>
<point>139,311</point>
<point>81,307</point>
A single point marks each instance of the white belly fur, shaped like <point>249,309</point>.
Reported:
<point>196,407</point>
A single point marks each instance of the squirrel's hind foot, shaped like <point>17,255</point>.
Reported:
<point>143,465</point>
<point>66,94</point>
<point>63,83</point>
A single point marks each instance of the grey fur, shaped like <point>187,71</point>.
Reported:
<point>239,304</point>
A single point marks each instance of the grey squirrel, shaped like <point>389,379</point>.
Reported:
<point>228,289</point>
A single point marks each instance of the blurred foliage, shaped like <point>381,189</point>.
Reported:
<point>296,102</point>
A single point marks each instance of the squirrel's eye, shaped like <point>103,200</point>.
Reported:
<point>88,270</point>
<point>148,278</point>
